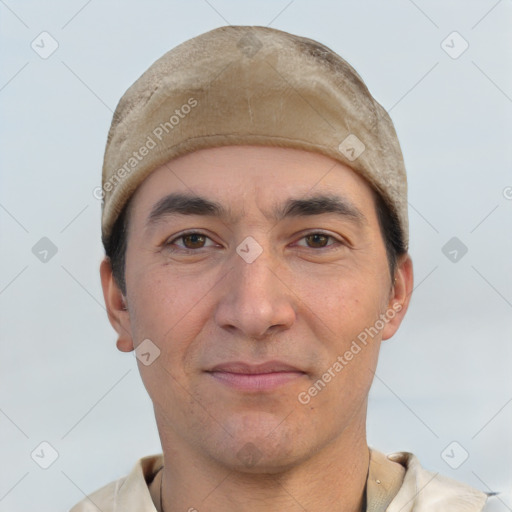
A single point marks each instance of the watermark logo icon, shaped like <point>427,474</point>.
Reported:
<point>352,147</point>
<point>454,45</point>
<point>147,352</point>
<point>454,249</point>
<point>249,249</point>
<point>249,45</point>
<point>455,455</point>
<point>249,455</point>
<point>45,45</point>
<point>44,250</point>
<point>44,455</point>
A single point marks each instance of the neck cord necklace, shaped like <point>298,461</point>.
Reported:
<point>160,509</point>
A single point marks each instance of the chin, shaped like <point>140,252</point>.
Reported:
<point>260,457</point>
<point>259,443</point>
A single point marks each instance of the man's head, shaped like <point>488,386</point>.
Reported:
<point>259,247</point>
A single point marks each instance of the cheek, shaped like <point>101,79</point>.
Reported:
<point>170,308</point>
<point>343,301</point>
<point>341,311</point>
<point>169,311</point>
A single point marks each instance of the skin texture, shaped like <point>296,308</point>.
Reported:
<point>302,301</point>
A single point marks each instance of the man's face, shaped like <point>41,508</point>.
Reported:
<point>220,296</point>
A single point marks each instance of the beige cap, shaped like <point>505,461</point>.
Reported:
<point>250,85</point>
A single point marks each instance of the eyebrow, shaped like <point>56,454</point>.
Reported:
<point>186,204</point>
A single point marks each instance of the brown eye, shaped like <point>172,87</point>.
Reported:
<point>190,241</point>
<point>193,240</point>
<point>321,242</point>
<point>318,240</point>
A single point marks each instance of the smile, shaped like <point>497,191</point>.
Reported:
<point>255,377</point>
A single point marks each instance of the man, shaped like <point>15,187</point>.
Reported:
<point>256,233</point>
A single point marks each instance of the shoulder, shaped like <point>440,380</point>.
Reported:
<point>423,490</point>
<point>102,499</point>
<point>129,493</point>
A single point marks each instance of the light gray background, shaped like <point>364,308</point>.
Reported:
<point>444,377</point>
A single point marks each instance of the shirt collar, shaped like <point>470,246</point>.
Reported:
<point>395,483</point>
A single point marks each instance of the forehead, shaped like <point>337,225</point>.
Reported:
<point>253,184</point>
<point>240,177</point>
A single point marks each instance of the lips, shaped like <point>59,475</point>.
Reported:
<point>261,377</point>
<point>251,369</point>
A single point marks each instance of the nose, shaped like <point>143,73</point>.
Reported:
<point>256,302</point>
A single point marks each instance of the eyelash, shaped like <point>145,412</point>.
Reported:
<point>169,243</point>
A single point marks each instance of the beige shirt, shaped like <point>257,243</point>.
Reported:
<point>396,483</point>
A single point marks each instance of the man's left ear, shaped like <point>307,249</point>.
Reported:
<point>400,296</point>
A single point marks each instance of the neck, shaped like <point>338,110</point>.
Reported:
<point>332,479</point>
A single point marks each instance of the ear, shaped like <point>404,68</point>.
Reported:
<point>116,305</point>
<point>400,296</point>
